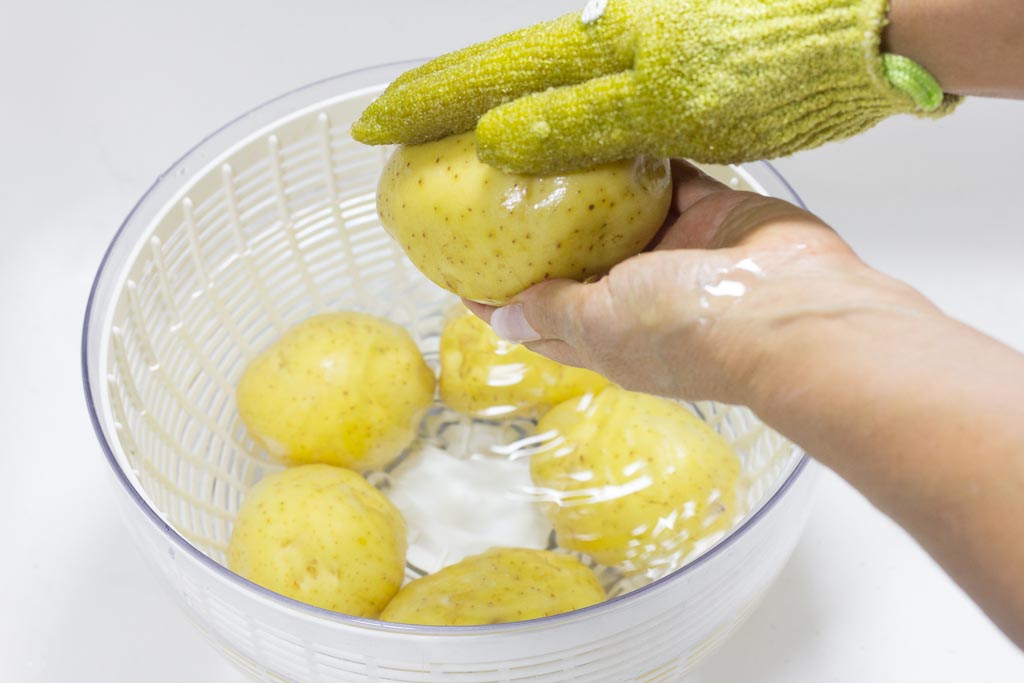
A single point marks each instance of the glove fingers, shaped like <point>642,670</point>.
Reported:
<point>449,98</point>
<point>452,58</point>
<point>563,129</point>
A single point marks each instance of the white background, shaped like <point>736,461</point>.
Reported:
<point>97,98</point>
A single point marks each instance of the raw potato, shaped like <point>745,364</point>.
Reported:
<point>485,376</point>
<point>487,235</point>
<point>633,480</point>
<point>322,535</point>
<point>344,389</point>
<point>495,587</point>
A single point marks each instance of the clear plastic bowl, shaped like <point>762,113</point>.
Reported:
<point>263,223</point>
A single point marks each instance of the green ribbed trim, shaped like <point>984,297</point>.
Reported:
<point>910,77</point>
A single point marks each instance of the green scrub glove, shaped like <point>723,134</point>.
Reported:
<point>716,81</point>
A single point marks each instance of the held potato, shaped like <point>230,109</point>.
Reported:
<point>633,480</point>
<point>344,389</point>
<point>322,535</point>
<point>487,235</point>
<point>486,376</point>
<point>497,586</point>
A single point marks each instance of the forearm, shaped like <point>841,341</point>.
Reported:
<point>972,47</point>
<point>926,418</point>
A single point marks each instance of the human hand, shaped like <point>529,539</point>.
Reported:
<point>731,285</point>
<point>711,80</point>
<point>750,300</point>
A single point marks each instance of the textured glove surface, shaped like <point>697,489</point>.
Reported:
<point>716,81</point>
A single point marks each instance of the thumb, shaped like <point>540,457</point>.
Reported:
<point>549,310</point>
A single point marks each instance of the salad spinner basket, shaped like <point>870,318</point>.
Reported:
<point>265,222</point>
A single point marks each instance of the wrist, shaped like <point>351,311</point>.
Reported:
<point>908,32</point>
<point>972,47</point>
<point>854,324</point>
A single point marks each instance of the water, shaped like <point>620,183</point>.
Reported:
<point>464,485</point>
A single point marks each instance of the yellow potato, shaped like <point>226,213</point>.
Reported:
<point>497,586</point>
<point>633,480</point>
<point>322,535</point>
<point>486,235</point>
<point>485,376</point>
<point>344,389</point>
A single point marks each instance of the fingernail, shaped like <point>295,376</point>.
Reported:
<point>509,323</point>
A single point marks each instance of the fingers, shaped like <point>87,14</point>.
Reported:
<point>700,224</point>
<point>448,95</point>
<point>690,185</point>
<point>562,129</point>
<point>510,323</point>
<point>556,350</point>
<point>540,313</point>
<point>482,311</point>
<point>548,310</point>
<point>452,58</point>
<point>707,214</point>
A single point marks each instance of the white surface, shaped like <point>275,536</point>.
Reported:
<point>97,98</point>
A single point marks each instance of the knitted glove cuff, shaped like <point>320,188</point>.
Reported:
<point>777,77</point>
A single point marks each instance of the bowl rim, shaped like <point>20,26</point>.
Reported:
<point>287,603</point>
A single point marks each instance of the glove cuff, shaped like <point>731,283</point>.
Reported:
<point>798,74</point>
<point>866,85</point>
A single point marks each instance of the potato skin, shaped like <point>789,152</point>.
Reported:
<point>487,235</point>
<point>633,480</point>
<point>343,388</point>
<point>322,535</point>
<point>497,586</point>
<point>485,376</point>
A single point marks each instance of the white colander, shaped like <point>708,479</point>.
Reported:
<point>270,220</point>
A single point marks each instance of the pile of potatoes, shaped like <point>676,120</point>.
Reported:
<point>633,481</point>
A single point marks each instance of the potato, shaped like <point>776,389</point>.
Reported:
<point>497,586</point>
<point>486,235</point>
<point>485,376</point>
<point>322,535</point>
<point>633,480</point>
<point>344,389</point>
